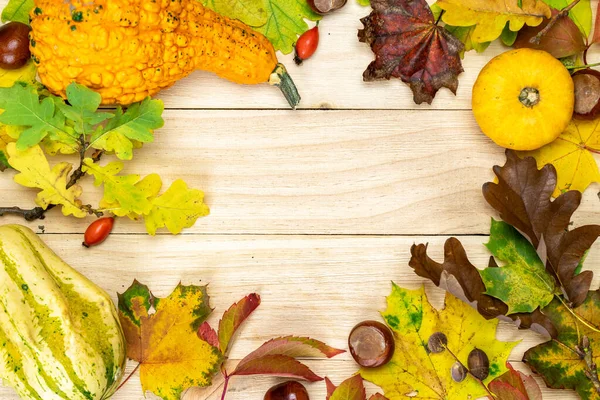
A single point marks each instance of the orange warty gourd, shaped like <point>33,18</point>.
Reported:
<point>127,50</point>
<point>523,99</point>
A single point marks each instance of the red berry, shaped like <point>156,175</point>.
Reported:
<point>307,45</point>
<point>98,231</point>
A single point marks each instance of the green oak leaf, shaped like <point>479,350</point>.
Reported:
<point>82,109</point>
<point>558,361</point>
<point>523,283</point>
<point>465,35</point>
<point>124,129</point>
<point>581,14</point>
<point>17,10</point>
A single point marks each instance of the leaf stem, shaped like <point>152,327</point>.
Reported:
<point>577,316</point>
<point>128,377</point>
<point>564,12</point>
<point>583,66</point>
<point>439,18</point>
<point>225,385</point>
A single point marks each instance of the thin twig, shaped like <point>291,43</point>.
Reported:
<point>585,351</point>
<point>564,12</point>
<point>78,173</point>
<point>29,214</point>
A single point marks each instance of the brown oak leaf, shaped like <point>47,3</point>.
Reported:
<point>408,44</point>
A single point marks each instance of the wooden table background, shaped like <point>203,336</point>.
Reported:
<point>314,209</point>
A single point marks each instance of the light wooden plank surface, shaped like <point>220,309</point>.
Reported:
<point>315,210</point>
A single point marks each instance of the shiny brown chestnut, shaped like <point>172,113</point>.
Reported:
<point>290,390</point>
<point>371,344</point>
<point>587,93</point>
<point>326,6</point>
<point>14,45</point>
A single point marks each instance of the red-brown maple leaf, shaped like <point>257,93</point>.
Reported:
<point>408,44</point>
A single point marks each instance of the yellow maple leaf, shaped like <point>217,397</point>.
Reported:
<point>572,156</point>
<point>35,172</point>
<point>179,207</point>
<point>490,16</point>
<point>414,369</point>
<point>161,335</point>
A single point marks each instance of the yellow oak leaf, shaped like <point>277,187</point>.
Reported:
<point>415,369</point>
<point>150,185</point>
<point>119,189</point>
<point>179,207</point>
<point>491,16</point>
<point>35,172</point>
<point>572,156</point>
<point>161,335</point>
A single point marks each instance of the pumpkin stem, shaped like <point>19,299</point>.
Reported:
<point>284,82</point>
<point>529,97</point>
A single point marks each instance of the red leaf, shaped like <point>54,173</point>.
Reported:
<point>562,40</point>
<point>378,396</point>
<point>596,37</point>
<point>293,346</point>
<point>276,365</point>
<point>208,334</point>
<point>330,388</point>
<point>233,318</point>
<point>351,389</point>
<point>408,44</point>
<point>514,385</point>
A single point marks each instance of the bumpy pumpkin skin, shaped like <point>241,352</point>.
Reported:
<point>130,49</point>
<point>504,118</point>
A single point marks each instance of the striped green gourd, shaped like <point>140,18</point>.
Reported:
<point>60,336</point>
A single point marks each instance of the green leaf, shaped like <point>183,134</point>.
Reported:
<point>179,207</point>
<point>136,124</point>
<point>465,35</point>
<point>365,3</point>
<point>523,283</point>
<point>251,12</point>
<point>82,109</point>
<point>286,21</point>
<point>119,189</point>
<point>558,360</point>
<point>17,10</point>
<point>22,106</point>
<point>581,14</point>
<point>150,187</point>
<point>508,37</point>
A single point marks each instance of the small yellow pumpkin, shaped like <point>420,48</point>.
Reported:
<point>523,99</point>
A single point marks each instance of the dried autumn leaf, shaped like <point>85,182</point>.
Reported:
<point>572,156</point>
<point>522,196</point>
<point>351,389</point>
<point>413,321</point>
<point>581,14</point>
<point>491,16</point>
<point>566,361</point>
<point>523,283</point>
<point>277,357</point>
<point>177,208</point>
<point>35,172</point>
<point>408,44</point>
<point>462,279</point>
<point>564,38</point>
<point>161,336</point>
<point>514,385</point>
<point>234,317</point>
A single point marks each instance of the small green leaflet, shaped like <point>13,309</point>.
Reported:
<point>251,12</point>
<point>135,125</point>
<point>581,14</point>
<point>82,111</point>
<point>508,37</point>
<point>17,10</point>
<point>22,106</point>
<point>523,283</point>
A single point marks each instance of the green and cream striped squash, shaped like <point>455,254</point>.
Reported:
<point>60,336</point>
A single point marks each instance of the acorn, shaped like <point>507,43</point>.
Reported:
<point>479,364</point>
<point>458,371</point>
<point>437,342</point>
<point>587,93</point>
<point>371,344</point>
<point>290,390</point>
<point>323,7</point>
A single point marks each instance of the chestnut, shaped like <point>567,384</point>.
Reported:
<point>371,344</point>
<point>14,45</point>
<point>326,6</point>
<point>587,93</point>
<point>290,390</point>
